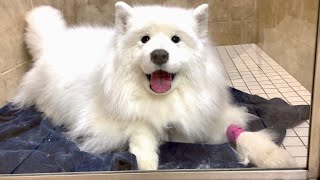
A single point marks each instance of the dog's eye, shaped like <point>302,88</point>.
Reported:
<point>175,39</point>
<point>145,39</point>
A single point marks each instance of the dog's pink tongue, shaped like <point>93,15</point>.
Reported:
<point>160,81</point>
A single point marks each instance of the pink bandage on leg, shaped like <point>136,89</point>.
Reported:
<point>233,132</point>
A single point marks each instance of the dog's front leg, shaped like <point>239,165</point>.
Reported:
<point>144,145</point>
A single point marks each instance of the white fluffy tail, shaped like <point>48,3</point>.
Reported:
<point>259,148</point>
<point>44,26</point>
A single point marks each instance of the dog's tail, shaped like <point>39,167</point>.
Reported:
<point>44,27</point>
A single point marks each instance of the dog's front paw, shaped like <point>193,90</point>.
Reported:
<point>147,161</point>
<point>258,148</point>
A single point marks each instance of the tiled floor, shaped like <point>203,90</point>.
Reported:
<point>251,70</point>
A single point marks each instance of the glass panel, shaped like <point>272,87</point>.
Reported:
<point>150,92</point>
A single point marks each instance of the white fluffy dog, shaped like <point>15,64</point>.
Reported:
<point>151,75</point>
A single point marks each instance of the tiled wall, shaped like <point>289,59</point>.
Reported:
<point>231,22</point>
<point>287,33</point>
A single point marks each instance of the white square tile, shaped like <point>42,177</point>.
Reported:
<point>249,80</point>
<point>243,70</point>
<point>265,82</point>
<point>278,81</point>
<point>258,91</point>
<point>258,75</point>
<point>303,125</point>
<point>292,141</point>
<point>290,132</point>
<point>305,140</point>
<point>290,80</point>
<point>301,161</point>
<point>252,83</point>
<point>232,70</point>
<point>301,131</point>
<point>247,76</point>
<point>282,73</point>
<point>254,87</point>
<point>275,95</point>
<point>233,74</point>
<point>294,99</point>
<point>299,103</point>
<point>299,88</point>
<point>272,74</point>
<point>271,91</point>
<point>306,98</point>
<point>268,70</point>
<point>262,79</point>
<point>287,77</point>
<point>272,78</point>
<point>258,71</point>
<point>304,93</point>
<point>287,89</point>
<point>263,96</point>
<point>246,73</point>
<point>268,86</point>
<point>289,94</point>
<point>235,77</point>
<point>238,84</point>
<point>297,150</point>
<point>237,81</point>
<point>281,85</point>
<point>247,91</point>
<point>292,84</point>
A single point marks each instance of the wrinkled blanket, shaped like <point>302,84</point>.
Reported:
<point>29,143</point>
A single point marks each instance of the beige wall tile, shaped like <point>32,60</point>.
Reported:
<point>195,3</point>
<point>11,79</point>
<point>175,3</point>
<point>219,11</point>
<point>12,14</point>
<point>243,9</point>
<point>151,2</point>
<point>249,31</point>
<point>304,70</point>
<point>308,22</point>
<point>287,16</point>
<point>12,49</point>
<point>66,6</point>
<point>235,31</point>
<point>96,12</point>
<point>3,94</point>
<point>225,33</point>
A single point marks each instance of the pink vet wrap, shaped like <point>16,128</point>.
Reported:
<point>233,132</point>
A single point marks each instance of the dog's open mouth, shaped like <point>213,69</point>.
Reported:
<point>160,81</point>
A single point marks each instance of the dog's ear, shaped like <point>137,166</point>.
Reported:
<point>201,15</point>
<point>123,12</point>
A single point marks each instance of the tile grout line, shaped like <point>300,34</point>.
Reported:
<point>247,68</point>
<point>278,74</point>
<point>280,91</point>
<point>238,69</point>
<point>220,58</point>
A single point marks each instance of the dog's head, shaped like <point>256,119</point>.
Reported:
<point>163,45</point>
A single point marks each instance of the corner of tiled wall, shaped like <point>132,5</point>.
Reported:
<point>287,32</point>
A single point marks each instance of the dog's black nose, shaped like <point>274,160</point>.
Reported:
<point>159,56</point>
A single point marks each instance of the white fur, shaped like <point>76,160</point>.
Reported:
<point>92,80</point>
